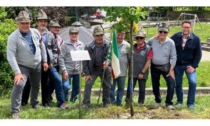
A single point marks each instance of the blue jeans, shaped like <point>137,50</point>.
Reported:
<point>120,82</point>
<point>55,77</point>
<point>179,71</point>
<point>75,87</point>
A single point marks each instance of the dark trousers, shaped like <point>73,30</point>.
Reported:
<point>142,84</point>
<point>155,75</point>
<point>106,86</point>
<point>26,93</point>
<point>47,88</point>
<point>44,86</point>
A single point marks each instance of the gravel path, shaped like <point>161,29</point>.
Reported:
<point>205,56</point>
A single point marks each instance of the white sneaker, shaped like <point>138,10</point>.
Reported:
<point>178,105</point>
<point>157,105</point>
<point>171,107</point>
<point>15,116</point>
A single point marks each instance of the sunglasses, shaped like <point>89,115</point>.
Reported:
<point>163,32</point>
<point>139,38</point>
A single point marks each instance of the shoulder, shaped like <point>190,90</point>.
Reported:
<point>178,34</point>
<point>151,39</point>
<point>195,36</point>
<point>126,43</point>
<point>147,46</point>
<point>106,42</point>
<point>13,35</point>
<point>35,32</point>
<point>80,42</point>
<point>170,41</point>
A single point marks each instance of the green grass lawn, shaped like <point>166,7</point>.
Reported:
<point>201,111</point>
<point>201,30</point>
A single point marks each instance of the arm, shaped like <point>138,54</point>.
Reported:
<point>107,61</point>
<point>198,54</point>
<point>44,56</point>
<point>52,49</point>
<point>149,42</point>
<point>11,52</point>
<point>147,65</point>
<point>86,65</point>
<point>43,52</point>
<point>61,58</point>
<point>173,58</point>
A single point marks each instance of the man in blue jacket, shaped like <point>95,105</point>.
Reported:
<point>188,48</point>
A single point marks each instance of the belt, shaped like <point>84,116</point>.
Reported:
<point>160,65</point>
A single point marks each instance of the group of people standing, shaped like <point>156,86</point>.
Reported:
<point>169,57</point>
<point>38,55</point>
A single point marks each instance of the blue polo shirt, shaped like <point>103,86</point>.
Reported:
<point>27,36</point>
<point>44,37</point>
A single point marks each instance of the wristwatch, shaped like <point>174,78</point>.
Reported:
<point>142,72</point>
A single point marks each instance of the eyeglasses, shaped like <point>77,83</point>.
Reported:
<point>163,32</point>
<point>186,27</point>
<point>139,38</point>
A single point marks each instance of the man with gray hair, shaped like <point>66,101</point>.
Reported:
<point>163,63</point>
<point>25,53</point>
<point>69,68</point>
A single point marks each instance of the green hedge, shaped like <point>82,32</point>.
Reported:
<point>7,26</point>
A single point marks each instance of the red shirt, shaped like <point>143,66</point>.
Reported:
<point>150,54</point>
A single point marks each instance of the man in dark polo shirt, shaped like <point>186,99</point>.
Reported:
<point>188,48</point>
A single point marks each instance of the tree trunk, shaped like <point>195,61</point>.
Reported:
<point>131,70</point>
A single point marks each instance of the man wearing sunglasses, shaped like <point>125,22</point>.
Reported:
<point>69,68</point>
<point>163,62</point>
<point>188,47</point>
<point>98,50</point>
<point>142,59</point>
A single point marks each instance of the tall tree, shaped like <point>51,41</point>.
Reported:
<point>57,13</point>
<point>130,16</point>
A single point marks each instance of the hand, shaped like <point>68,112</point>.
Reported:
<point>65,75</point>
<point>140,76</point>
<point>88,77</point>
<point>50,66</point>
<point>83,74</point>
<point>105,65</point>
<point>45,65</point>
<point>156,36</point>
<point>17,78</point>
<point>171,73</point>
<point>190,69</point>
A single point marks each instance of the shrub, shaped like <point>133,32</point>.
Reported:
<point>7,26</point>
